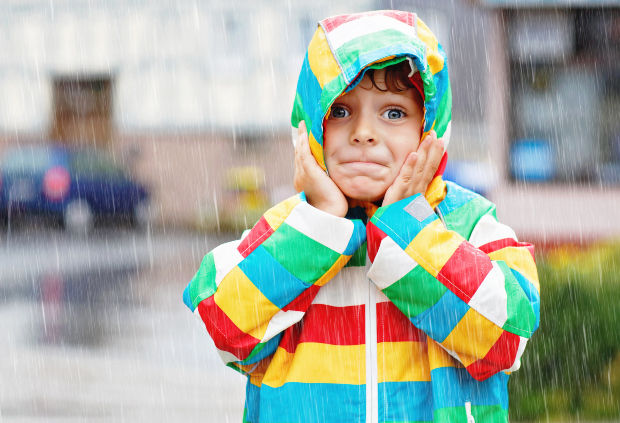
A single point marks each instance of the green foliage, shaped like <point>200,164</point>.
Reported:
<point>571,368</point>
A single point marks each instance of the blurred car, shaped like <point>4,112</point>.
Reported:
<point>75,184</point>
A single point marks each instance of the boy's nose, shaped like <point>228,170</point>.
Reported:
<point>363,134</point>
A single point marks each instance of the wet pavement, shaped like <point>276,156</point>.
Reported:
<point>95,330</point>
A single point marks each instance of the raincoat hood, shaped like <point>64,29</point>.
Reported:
<point>344,47</point>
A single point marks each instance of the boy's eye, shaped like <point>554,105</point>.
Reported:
<point>339,112</point>
<point>394,114</point>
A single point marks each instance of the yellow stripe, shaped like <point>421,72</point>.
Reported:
<point>435,61</point>
<point>318,363</point>
<point>276,215</point>
<point>342,260</point>
<point>321,59</point>
<point>438,357</point>
<point>317,151</point>
<point>278,369</point>
<point>474,335</point>
<point>519,259</point>
<point>436,191</point>
<point>433,247</point>
<point>402,362</point>
<point>244,304</point>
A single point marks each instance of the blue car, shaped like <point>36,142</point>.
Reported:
<point>74,184</point>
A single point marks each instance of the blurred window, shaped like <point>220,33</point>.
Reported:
<point>27,161</point>
<point>94,164</point>
<point>565,97</point>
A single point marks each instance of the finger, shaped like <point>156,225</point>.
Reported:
<point>434,155</point>
<point>403,180</point>
<point>422,154</point>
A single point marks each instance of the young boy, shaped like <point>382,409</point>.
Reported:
<point>380,293</point>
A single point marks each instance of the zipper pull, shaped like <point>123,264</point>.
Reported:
<point>470,418</point>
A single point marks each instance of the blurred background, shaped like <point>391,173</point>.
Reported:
<point>135,136</point>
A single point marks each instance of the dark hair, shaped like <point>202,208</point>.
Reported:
<point>396,77</point>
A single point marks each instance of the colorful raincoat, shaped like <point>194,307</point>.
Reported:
<point>416,314</point>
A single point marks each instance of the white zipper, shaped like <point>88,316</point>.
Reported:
<point>372,387</point>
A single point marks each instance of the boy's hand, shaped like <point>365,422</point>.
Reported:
<point>321,192</point>
<point>417,171</point>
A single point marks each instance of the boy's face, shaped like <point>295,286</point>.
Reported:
<point>368,135</point>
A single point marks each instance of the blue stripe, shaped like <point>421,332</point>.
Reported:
<point>432,103</point>
<point>313,403</point>
<point>357,238</point>
<point>400,225</point>
<point>457,196</point>
<point>252,402</point>
<point>405,402</point>
<point>531,293</point>
<point>310,91</point>
<point>274,281</point>
<point>444,316</point>
<point>186,298</point>
<point>452,387</point>
<point>503,391</point>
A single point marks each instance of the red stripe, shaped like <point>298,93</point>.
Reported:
<point>225,334</point>
<point>330,325</point>
<point>290,338</point>
<point>442,164</point>
<point>374,236</point>
<point>393,325</point>
<point>332,23</point>
<point>302,302</point>
<point>500,357</point>
<point>506,242</point>
<point>465,270</point>
<point>259,233</point>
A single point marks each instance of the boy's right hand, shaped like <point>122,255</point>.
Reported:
<point>321,192</point>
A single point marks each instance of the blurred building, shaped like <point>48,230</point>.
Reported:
<point>553,115</point>
<point>185,90</point>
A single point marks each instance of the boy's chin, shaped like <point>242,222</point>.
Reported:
<point>365,197</point>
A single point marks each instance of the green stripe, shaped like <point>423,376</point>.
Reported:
<point>302,256</point>
<point>359,257</point>
<point>444,113</point>
<point>331,91</point>
<point>463,219</point>
<point>350,51</point>
<point>255,351</point>
<point>481,413</point>
<point>299,113</point>
<point>521,317</point>
<point>416,292</point>
<point>203,284</point>
<point>378,214</point>
<point>232,366</point>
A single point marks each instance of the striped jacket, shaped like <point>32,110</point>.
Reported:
<point>417,314</point>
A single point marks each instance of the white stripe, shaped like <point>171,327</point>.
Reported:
<point>390,265</point>
<point>226,257</point>
<point>226,356</point>
<point>364,26</point>
<point>332,231</point>
<point>490,299</point>
<point>446,136</point>
<point>517,363</point>
<point>281,321</point>
<point>488,230</point>
<point>380,297</point>
<point>348,288</point>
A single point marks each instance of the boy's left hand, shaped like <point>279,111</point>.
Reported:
<point>418,170</point>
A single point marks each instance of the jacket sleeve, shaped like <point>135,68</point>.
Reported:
<point>247,292</point>
<point>478,298</point>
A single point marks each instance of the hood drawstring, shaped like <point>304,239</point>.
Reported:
<point>470,418</point>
